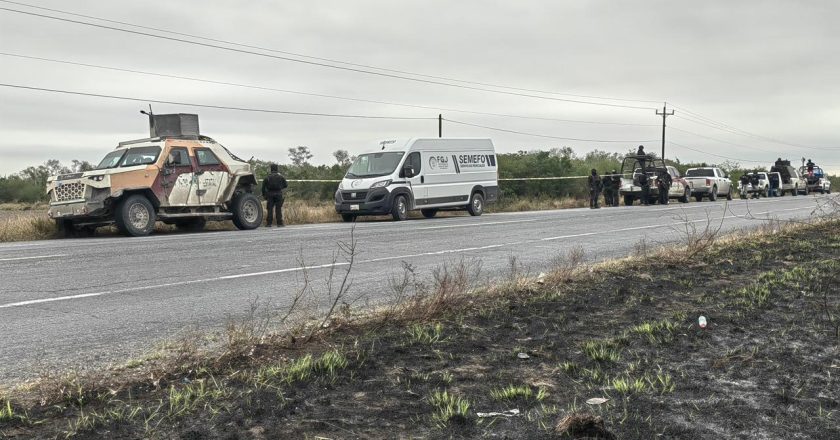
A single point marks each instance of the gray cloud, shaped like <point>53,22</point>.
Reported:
<point>768,67</point>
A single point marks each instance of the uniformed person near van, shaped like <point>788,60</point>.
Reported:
<point>609,194</point>
<point>663,185</point>
<point>615,182</point>
<point>272,191</point>
<point>594,189</point>
<point>644,182</point>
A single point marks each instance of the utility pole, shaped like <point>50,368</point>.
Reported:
<point>664,115</point>
<point>440,126</point>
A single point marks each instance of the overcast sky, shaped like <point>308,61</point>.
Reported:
<point>768,68</point>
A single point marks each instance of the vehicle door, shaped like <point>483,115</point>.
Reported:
<point>677,185</point>
<point>724,185</point>
<point>177,179</point>
<point>211,178</point>
<point>416,181</point>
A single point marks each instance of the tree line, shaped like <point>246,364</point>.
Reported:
<point>27,186</point>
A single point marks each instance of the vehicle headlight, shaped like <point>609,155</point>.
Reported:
<point>381,184</point>
<point>97,178</point>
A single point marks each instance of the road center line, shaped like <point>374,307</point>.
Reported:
<point>323,266</point>
<point>33,258</point>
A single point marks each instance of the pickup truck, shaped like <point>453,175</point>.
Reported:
<point>763,187</point>
<point>816,180</point>
<point>631,169</point>
<point>792,180</point>
<point>709,182</point>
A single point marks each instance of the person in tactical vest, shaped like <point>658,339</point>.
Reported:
<point>615,183</point>
<point>644,182</point>
<point>755,181</point>
<point>594,189</point>
<point>272,191</point>
<point>663,185</point>
<point>609,194</point>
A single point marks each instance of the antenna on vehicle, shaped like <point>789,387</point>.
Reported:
<point>151,116</point>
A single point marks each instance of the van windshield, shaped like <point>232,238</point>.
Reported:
<point>375,164</point>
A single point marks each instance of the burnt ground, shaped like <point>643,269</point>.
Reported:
<point>766,365</point>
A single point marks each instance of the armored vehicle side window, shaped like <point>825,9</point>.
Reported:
<point>140,156</point>
<point>206,157</point>
<point>178,157</point>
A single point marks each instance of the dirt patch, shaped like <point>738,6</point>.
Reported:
<point>524,363</point>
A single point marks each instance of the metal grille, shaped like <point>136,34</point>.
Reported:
<point>351,196</point>
<point>69,191</point>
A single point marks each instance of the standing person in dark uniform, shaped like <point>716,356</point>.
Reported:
<point>609,194</point>
<point>774,184</point>
<point>663,185</point>
<point>754,183</point>
<point>810,166</point>
<point>594,189</point>
<point>644,182</point>
<point>272,190</point>
<point>615,184</point>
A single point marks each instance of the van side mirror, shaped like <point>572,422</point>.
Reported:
<point>408,170</point>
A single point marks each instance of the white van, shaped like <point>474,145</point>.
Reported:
<point>429,174</point>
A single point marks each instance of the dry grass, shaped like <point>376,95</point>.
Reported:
<point>539,204</point>
<point>26,227</point>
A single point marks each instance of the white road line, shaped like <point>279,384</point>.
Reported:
<point>323,266</point>
<point>38,257</point>
<point>467,225</point>
<point>232,277</point>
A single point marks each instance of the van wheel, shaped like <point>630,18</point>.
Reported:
<point>136,216</point>
<point>247,211</point>
<point>348,218</point>
<point>400,209</point>
<point>429,213</point>
<point>191,225</point>
<point>476,206</point>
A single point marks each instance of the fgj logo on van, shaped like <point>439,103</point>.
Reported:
<point>438,162</point>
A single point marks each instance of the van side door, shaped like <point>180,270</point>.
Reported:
<point>417,183</point>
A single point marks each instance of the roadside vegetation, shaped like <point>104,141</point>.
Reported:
<point>610,350</point>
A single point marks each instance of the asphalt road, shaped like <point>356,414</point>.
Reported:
<point>80,303</point>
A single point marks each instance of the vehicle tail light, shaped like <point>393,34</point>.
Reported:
<point>708,182</point>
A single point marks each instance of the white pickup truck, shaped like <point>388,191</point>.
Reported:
<point>709,182</point>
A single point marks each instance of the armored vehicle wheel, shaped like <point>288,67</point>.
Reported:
<point>247,211</point>
<point>348,218</point>
<point>476,206</point>
<point>400,209</point>
<point>713,194</point>
<point>429,213</point>
<point>136,216</point>
<point>191,225</point>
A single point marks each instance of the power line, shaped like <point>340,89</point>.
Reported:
<point>249,86</point>
<point>713,154</point>
<point>218,107</point>
<point>320,64</point>
<point>541,135</point>
<point>233,43</point>
<point>723,141</point>
<point>703,120</point>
